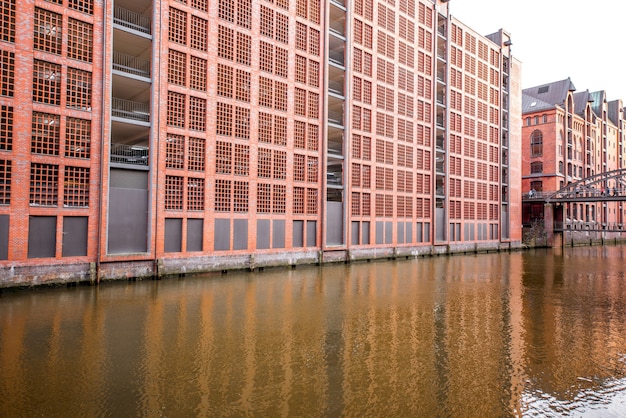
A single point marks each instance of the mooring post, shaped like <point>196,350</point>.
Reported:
<point>548,223</point>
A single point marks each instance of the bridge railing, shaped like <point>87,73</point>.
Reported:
<point>536,195</point>
<point>589,192</point>
<point>574,225</point>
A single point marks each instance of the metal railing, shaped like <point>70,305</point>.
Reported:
<point>128,109</point>
<point>130,64</point>
<point>335,117</point>
<point>132,20</point>
<point>578,225</point>
<point>335,87</point>
<point>337,57</point>
<point>129,154</point>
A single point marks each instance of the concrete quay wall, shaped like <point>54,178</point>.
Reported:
<point>16,276</point>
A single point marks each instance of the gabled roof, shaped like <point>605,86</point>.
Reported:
<point>552,93</point>
<point>599,97</point>
<point>615,108</point>
<point>581,99</point>
<point>531,104</point>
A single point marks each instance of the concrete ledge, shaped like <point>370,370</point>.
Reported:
<point>207,264</point>
<point>126,270</point>
<point>39,275</point>
<point>54,274</point>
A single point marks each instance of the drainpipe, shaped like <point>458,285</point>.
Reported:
<point>103,165</point>
<point>155,121</point>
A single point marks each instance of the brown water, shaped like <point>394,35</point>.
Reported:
<point>537,333</point>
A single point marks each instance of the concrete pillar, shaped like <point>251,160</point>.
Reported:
<point>548,223</point>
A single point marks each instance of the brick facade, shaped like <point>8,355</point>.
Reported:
<point>570,135</point>
<point>145,137</point>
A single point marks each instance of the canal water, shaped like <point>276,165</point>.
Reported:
<point>537,333</point>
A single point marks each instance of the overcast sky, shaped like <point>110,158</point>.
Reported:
<point>556,39</point>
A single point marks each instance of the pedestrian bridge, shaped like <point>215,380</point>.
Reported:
<point>604,187</point>
<point>608,186</point>
<point>581,226</point>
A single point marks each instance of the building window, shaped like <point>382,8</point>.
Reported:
<point>76,187</point>
<point>79,40</point>
<point>174,151</point>
<point>536,168</point>
<point>6,128</point>
<point>242,83</point>
<point>195,154</point>
<point>198,35</point>
<point>200,4</point>
<point>7,75</point>
<point>195,194</point>
<point>223,157</point>
<point>173,193</point>
<point>77,138</point>
<point>298,200</point>
<point>197,114</point>
<point>312,202</point>
<point>5,182</point>
<point>175,109</point>
<point>222,195</point>
<point>47,36</point>
<point>78,89</point>
<point>225,44</point>
<point>45,133</point>
<point>242,160</point>
<point>561,167</point>
<point>177,68</point>
<point>197,73</point>
<point>241,196</point>
<point>47,83</point>
<point>178,26</point>
<point>244,49</point>
<point>536,144</point>
<point>279,193</point>
<point>44,184</point>
<point>242,122</point>
<point>544,119</point>
<point>7,17</point>
<point>85,6</point>
<point>264,198</point>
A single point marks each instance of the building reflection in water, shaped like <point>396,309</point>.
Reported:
<point>486,335</point>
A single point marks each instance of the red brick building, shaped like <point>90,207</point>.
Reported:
<point>569,136</point>
<point>145,137</point>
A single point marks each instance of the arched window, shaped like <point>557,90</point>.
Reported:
<point>536,143</point>
<point>536,168</point>
<point>561,167</point>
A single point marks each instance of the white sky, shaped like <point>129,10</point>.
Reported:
<point>556,39</point>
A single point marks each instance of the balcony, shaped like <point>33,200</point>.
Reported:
<point>337,20</point>
<point>131,65</point>
<point>335,141</point>
<point>132,20</point>
<point>336,50</point>
<point>128,109</point>
<point>129,154</point>
<point>336,80</point>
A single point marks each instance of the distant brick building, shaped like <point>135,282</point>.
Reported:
<point>144,137</point>
<point>569,136</point>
